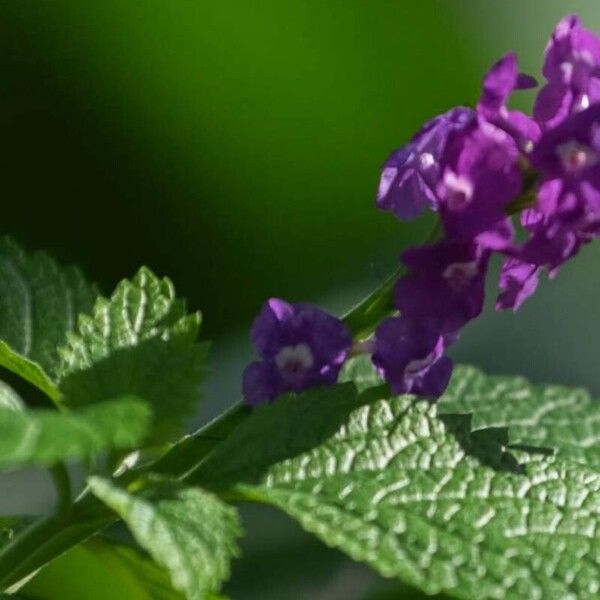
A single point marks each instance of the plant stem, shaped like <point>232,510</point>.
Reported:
<point>364,317</point>
<point>50,537</point>
<point>369,312</point>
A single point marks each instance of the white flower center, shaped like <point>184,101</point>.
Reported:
<point>426,160</point>
<point>582,103</point>
<point>459,190</point>
<point>566,69</point>
<point>575,156</point>
<point>294,361</point>
<point>459,275</point>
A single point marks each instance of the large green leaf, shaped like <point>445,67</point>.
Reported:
<point>140,342</point>
<point>419,496</point>
<point>44,437</point>
<point>566,420</point>
<point>562,419</point>
<point>189,532</point>
<point>107,570</point>
<point>39,304</point>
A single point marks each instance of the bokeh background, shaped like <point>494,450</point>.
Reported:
<point>235,146</point>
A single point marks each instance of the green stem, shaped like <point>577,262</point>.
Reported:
<point>364,317</point>
<point>379,304</point>
<point>62,483</point>
<point>47,538</point>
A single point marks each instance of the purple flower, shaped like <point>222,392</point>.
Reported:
<point>518,281</point>
<point>409,176</point>
<point>300,346</point>
<point>446,281</point>
<point>480,178</point>
<point>572,70</point>
<point>498,84</point>
<point>567,213</point>
<point>408,355</point>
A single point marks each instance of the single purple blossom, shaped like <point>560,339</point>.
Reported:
<point>572,68</point>
<point>410,174</point>
<point>445,281</point>
<point>300,346</point>
<point>518,281</point>
<point>481,177</point>
<point>498,84</point>
<point>409,356</point>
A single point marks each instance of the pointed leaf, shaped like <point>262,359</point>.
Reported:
<point>188,531</point>
<point>39,304</point>
<point>140,309</point>
<point>139,342</point>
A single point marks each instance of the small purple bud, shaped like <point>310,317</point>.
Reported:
<point>409,356</point>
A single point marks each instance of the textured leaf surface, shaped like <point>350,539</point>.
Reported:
<point>39,304</point>
<point>43,437</point>
<point>419,496</point>
<point>140,342</point>
<point>563,419</point>
<point>112,571</point>
<point>189,532</point>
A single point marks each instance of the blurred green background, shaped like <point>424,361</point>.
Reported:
<point>235,146</point>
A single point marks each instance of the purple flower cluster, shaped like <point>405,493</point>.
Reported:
<point>470,167</point>
<point>474,168</point>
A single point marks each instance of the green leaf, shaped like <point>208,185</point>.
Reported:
<point>361,373</point>
<point>39,304</point>
<point>44,437</point>
<point>8,527</point>
<point>113,571</point>
<point>9,399</point>
<point>140,309</point>
<point>139,342</point>
<point>188,531</point>
<point>418,496</point>
<point>566,420</point>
